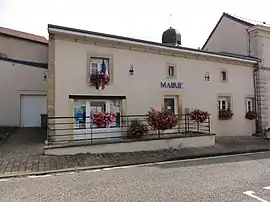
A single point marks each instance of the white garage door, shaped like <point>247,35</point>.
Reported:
<point>31,108</point>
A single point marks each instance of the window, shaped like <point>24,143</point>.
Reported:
<point>224,103</point>
<point>224,76</point>
<point>250,104</point>
<point>171,71</point>
<point>99,65</point>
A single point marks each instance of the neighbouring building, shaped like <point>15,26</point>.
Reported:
<point>236,35</point>
<point>23,66</point>
<point>146,74</point>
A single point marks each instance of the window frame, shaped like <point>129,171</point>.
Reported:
<point>228,102</point>
<point>221,75</point>
<point>250,100</point>
<point>92,61</point>
<point>108,57</point>
<point>173,66</point>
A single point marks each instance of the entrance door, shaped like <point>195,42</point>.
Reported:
<point>171,104</point>
<point>83,123</point>
<point>109,131</point>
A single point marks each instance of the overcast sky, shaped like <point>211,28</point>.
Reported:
<point>144,19</point>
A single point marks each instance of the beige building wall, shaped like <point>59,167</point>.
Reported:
<point>23,49</point>
<point>142,90</point>
<point>260,38</point>
<point>18,79</point>
<point>229,36</point>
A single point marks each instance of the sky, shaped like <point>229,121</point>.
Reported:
<point>143,19</point>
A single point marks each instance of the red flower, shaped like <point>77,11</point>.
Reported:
<point>161,120</point>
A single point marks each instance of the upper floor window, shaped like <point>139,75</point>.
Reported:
<point>224,76</point>
<point>171,71</point>
<point>99,65</point>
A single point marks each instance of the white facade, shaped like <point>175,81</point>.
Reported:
<point>237,36</point>
<point>68,82</point>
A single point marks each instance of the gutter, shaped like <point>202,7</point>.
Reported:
<point>77,33</point>
<point>23,62</point>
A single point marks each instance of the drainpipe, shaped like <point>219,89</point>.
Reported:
<point>257,108</point>
<point>248,41</point>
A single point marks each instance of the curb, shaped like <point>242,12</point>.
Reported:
<point>100,167</point>
<point>7,136</point>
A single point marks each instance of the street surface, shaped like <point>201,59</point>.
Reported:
<point>244,178</point>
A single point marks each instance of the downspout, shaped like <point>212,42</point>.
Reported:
<point>255,70</point>
<point>248,41</point>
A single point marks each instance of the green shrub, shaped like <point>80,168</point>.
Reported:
<point>137,129</point>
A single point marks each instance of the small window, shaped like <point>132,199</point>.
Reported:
<point>224,76</point>
<point>99,65</point>
<point>171,71</point>
<point>249,104</point>
<point>224,103</point>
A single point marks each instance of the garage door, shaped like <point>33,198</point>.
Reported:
<point>31,108</point>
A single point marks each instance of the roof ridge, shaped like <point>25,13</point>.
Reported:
<point>22,34</point>
<point>244,19</point>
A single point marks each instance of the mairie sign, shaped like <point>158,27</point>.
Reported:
<point>171,84</point>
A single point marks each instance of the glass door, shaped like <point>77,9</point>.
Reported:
<point>171,105</point>
<point>104,106</point>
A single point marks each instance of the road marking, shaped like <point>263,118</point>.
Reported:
<point>38,176</point>
<point>268,187</point>
<point>252,194</point>
<point>4,179</point>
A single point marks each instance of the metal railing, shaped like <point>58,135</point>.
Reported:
<point>69,130</point>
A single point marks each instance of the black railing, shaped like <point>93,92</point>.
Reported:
<point>69,129</point>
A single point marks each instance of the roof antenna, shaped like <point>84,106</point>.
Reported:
<point>170,20</point>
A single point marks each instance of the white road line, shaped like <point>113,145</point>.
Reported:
<point>268,187</point>
<point>38,176</point>
<point>252,194</point>
<point>4,179</point>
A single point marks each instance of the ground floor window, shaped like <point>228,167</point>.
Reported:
<point>224,103</point>
<point>83,109</point>
<point>250,104</point>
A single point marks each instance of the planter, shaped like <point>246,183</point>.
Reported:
<point>251,115</point>
<point>225,115</point>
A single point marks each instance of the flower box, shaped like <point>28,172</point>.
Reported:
<point>251,115</point>
<point>225,114</point>
<point>99,80</point>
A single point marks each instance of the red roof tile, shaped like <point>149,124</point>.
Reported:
<point>23,35</point>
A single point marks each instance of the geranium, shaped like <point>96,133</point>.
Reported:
<point>103,119</point>
<point>161,120</point>
<point>97,79</point>
<point>199,115</point>
<point>225,114</point>
<point>251,115</point>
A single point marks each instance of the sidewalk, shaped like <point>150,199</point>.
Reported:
<point>37,163</point>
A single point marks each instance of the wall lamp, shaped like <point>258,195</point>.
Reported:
<point>207,76</point>
<point>131,70</point>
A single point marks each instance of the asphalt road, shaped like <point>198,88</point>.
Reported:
<point>232,179</point>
